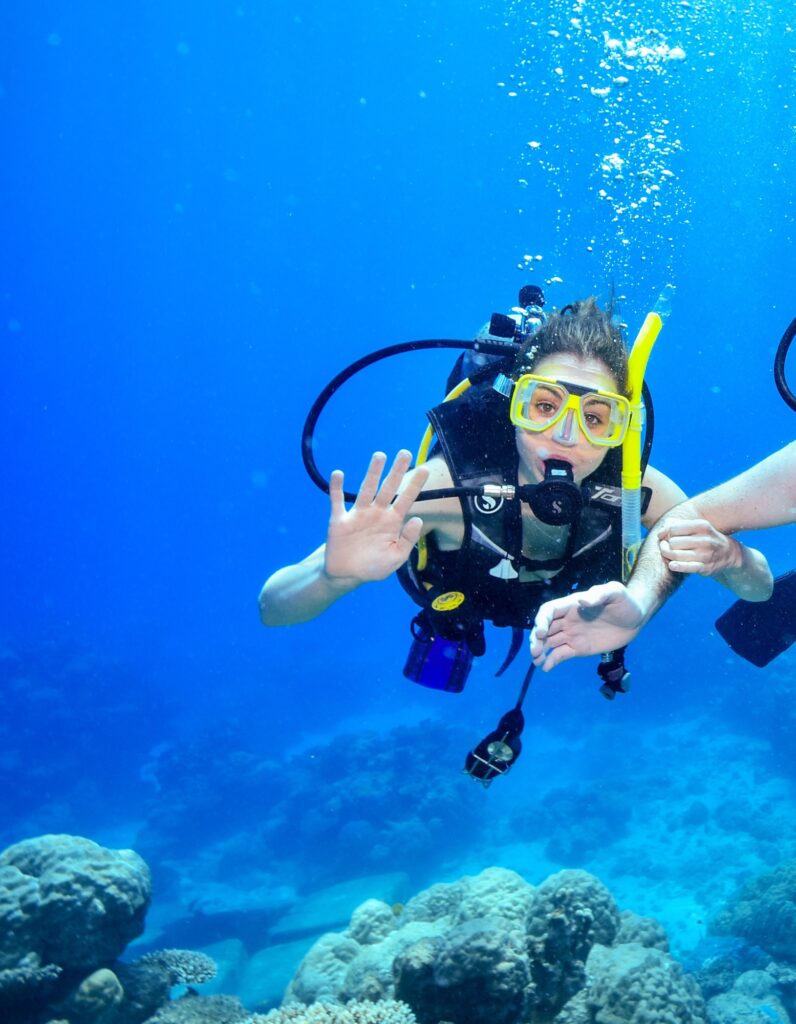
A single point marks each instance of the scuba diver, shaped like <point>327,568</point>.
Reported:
<point>757,628</point>
<point>546,423</point>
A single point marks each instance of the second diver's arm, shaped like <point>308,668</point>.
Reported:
<point>691,537</point>
<point>611,615</point>
<point>689,544</point>
<point>763,496</point>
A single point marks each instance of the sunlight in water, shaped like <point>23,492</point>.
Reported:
<point>607,94</point>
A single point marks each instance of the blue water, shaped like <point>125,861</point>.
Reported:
<point>208,211</point>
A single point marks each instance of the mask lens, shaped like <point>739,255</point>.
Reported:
<point>604,418</point>
<point>536,403</point>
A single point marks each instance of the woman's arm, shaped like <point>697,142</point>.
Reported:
<point>301,592</point>
<point>367,542</point>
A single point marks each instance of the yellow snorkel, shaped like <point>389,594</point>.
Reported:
<point>631,448</point>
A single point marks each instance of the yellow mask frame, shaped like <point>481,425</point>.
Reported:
<point>610,409</point>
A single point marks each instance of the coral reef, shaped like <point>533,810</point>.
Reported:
<point>571,911</point>
<point>753,997</point>
<point>58,698</point>
<point>484,949</point>
<point>194,1009</point>
<point>182,966</point>
<point>328,816</point>
<point>764,913</point>
<point>69,901</point>
<point>384,1012</point>
<point>68,908</point>
<point>646,931</point>
<point>718,961</point>
<point>492,949</point>
<point>577,822</point>
<point>634,984</point>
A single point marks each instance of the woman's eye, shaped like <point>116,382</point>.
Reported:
<point>545,408</point>
<point>593,420</point>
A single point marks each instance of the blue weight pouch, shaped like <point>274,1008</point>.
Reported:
<point>437,661</point>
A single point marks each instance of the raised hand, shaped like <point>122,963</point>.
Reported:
<point>373,538</point>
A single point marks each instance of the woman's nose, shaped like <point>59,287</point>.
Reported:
<point>567,430</point>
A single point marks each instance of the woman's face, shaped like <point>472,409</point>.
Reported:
<point>564,440</point>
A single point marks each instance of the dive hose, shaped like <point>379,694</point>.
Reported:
<point>779,366</point>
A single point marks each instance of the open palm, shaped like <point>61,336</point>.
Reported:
<point>373,538</point>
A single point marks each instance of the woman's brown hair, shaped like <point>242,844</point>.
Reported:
<point>581,329</point>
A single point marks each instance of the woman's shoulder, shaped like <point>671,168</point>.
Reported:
<point>439,474</point>
<point>443,515</point>
<point>665,494</point>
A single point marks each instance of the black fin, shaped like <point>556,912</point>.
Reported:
<point>760,630</point>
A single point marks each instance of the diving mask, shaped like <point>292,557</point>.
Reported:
<point>541,402</point>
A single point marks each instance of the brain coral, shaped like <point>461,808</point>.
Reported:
<point>570,912</point>
<point>752,998</point>
<point>646,931</point>
<point>181,966</point>
<point>321,973</point>
<point>631,984</point>
<point>372,973</point>
<point>67,901</point>
<point>371,922</point>
<point>476,973</point>
<point>496,892</point>
<point>437,902</point>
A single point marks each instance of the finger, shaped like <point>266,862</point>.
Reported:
<point>683,527</point>
<point>556,657</point>
<point>550,618</point>
<point>370,484</point>
<point>542,647</point>
<point>391,482</point>
<point>410,534</point>
<point>536,645</point>
<point>683,545</point>
<point>415,482</point>
<point>687,567</point>
<point>544,619</point>
<point>681,559</point>
<point>336,493</point>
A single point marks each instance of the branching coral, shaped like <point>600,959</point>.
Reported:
<point>183,966</point>
<point>14,979</point>
<point>193,1009</point>
<point>384,1012</point>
